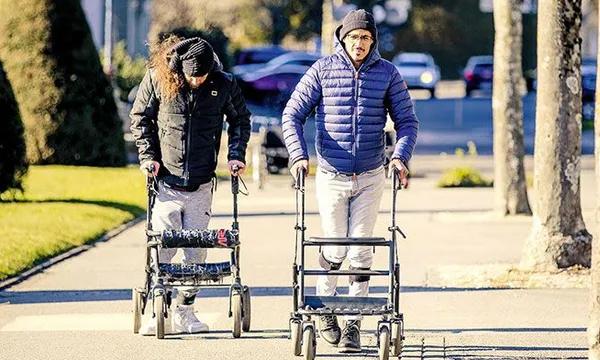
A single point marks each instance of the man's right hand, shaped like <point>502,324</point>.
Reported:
<point>150,164</point>
<point>297,166</point>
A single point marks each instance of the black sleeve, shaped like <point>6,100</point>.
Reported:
<point>238,118</point>
<point>143,120</point>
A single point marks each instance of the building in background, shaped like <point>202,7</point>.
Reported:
<point>130,22</point>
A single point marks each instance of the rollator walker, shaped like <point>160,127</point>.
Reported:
<point>162,276</point>
<point>390,329</point>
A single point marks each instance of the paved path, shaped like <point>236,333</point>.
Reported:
<point>80,308</point>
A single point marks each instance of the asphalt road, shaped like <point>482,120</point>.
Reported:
<point>447,122</point>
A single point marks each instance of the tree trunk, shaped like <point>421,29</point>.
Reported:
<point>510,187</point>
<point>327,27</point>
<point>594,325</point>
<point>558,237</point>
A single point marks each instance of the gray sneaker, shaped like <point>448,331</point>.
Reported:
<point>329,329</point>
<point>350,341</point>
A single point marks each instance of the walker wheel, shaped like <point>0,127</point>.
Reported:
<point>396,339</point>
<point>384,343</point>
<point>236,309</point>
<point>159,311</point>
<point>309,345</point>
<point>137,302</point>
<point>295,331</point>
<point>247,313</point>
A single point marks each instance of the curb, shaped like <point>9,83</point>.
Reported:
<point>13,280</point>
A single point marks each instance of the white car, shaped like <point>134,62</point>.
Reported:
<point>418,70</point>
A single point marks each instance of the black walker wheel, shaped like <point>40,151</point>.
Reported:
<point>247,309</point>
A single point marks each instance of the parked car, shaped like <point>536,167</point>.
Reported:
<point>479,73</point>
<point>290,58</point>
<point>273,83</point>
<point>258,55</point>
<point>418,70</point>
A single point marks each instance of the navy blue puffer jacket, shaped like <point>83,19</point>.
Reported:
<point>351,108</point>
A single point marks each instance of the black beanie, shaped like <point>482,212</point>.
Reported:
<point>358,19</point>
<point>193,56</point>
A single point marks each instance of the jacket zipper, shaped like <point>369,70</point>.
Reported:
<point>186,151</point>
<point>354,119</point>
<point>355,114</point>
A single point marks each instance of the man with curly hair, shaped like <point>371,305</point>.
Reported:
<point>177,121</point>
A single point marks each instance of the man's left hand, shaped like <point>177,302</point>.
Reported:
<point>402,169</point>
<point>236,167</point>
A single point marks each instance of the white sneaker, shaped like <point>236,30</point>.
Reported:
<point>148,326</point>
<point>185,321</point>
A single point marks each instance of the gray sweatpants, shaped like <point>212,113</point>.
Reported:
<point>175,209</point>
<point>348,207</point>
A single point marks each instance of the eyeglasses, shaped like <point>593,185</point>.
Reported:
<point>355,38</point>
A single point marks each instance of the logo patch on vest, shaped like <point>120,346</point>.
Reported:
<point>214,93</point>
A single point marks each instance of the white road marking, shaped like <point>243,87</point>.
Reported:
<point>87,322</point>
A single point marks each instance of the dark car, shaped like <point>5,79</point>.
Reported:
<point>272,89</point>
<point>479,74</point>
<point>273,83</point>
<point>258,55</point>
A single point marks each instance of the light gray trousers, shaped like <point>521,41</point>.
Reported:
<point>177,210</point>
<point>348,206</point>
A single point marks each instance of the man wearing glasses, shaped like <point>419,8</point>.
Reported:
<point>351,91</point>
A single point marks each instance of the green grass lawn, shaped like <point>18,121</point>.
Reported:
<point>64,207</point>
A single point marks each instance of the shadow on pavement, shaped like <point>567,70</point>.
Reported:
<point>226,335</point>
<point>133,209</point>
<point>58,296</point>
<point>508,330</point>
<point>399,211</point>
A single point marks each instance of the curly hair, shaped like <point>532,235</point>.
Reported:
<point>170,82</point>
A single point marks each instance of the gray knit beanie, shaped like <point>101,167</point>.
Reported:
<point>358,19</point>
<point>193,56</point>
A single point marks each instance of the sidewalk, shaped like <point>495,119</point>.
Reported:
<point>80,308</point>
